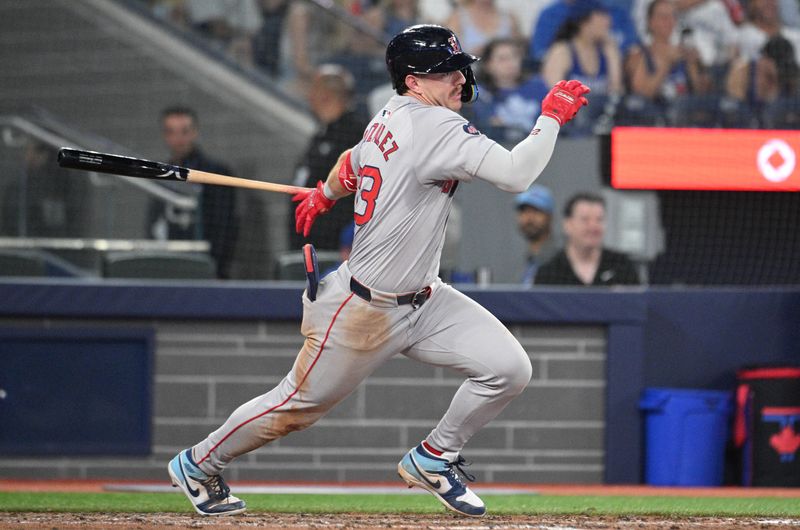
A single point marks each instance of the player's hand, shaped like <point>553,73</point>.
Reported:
<point>564,100</point>
<point>312,203</point>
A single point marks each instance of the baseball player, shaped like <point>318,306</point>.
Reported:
<point>387,298</point>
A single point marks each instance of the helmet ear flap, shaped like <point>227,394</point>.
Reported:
<point>469,92</point>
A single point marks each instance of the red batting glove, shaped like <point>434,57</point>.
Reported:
<point>312,203</point>
<point>564,100</point>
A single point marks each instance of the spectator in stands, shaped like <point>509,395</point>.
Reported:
<point>660,71</point>
<point>42,201</point>
<point>215,219</point>
<point>230,23</point>
<point>709,24</point>
<point>768,83</point>
<point>534,218</point>
<point>583,260</point>
<point>340,127</point>
<point>585,50</point>
<point>479,21</point>
<point>557,12</point>
<point>764,22</point>
<point>509,99</point>
<point>267,42</point>
<point>313,37</point>
<point>363,58</point>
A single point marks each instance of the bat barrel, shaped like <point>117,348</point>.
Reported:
<point>119,165</point>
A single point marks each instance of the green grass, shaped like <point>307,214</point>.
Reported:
<point>497,504</point>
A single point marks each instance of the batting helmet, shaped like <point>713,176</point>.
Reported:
<point>429,49</point>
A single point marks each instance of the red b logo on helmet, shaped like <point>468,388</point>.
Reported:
<point>454,45</point>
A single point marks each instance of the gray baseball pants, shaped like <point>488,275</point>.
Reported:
<point>347,338</point>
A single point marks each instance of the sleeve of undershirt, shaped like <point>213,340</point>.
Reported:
<point>515,170</point>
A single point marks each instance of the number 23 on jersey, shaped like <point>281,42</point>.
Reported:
<point>370,182</point>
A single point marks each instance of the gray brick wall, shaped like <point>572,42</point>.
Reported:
<point>552,433</point>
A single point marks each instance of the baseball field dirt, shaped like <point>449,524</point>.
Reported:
<point>125,521</point>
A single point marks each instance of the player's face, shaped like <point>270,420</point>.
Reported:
<point>443,89</point>
<point>533,223</point>
<point>179,133</point>
<point>587,226</point>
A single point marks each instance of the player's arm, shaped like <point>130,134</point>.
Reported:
<point>516,170</point>
<point>341,182</point>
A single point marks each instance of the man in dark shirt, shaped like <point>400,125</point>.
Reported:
<point>215,219</point>
<point>341,128</point>
<point>534,215</point>
<point>583,260</point>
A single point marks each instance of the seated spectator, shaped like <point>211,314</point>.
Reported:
<point>660,72</point>
<point>393,16</point>
<point>763,23</point>
<point>774,76</point>
<point>584,260</point>
<point>534,217</point>
<point>340,128</point>
<point>585,50</point>
<point>556,13</point>
<point>707,23</point>
<point>476,22</point>
<point>230,23</point>
<point>509,101</point>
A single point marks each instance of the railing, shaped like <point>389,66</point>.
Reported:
<point>54,140</point>
<point>60,222</point>
<point>101,245</point>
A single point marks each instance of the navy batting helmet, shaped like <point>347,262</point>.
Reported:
<point>429,49</point>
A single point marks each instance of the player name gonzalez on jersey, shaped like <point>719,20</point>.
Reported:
<point>387,299</point>
<point>381,136</point>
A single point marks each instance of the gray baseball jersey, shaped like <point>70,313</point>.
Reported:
<point>408,165</point>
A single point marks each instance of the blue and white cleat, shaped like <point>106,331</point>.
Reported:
<point>208,493</point>
<point>437,475</point>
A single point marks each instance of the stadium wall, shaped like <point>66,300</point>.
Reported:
<point>592,351</point>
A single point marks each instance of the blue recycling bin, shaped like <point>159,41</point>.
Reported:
<point>685,436</point>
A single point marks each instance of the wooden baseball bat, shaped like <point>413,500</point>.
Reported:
<point>149,169</point>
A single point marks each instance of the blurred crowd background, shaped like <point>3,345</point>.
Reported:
<point>276,89</point>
